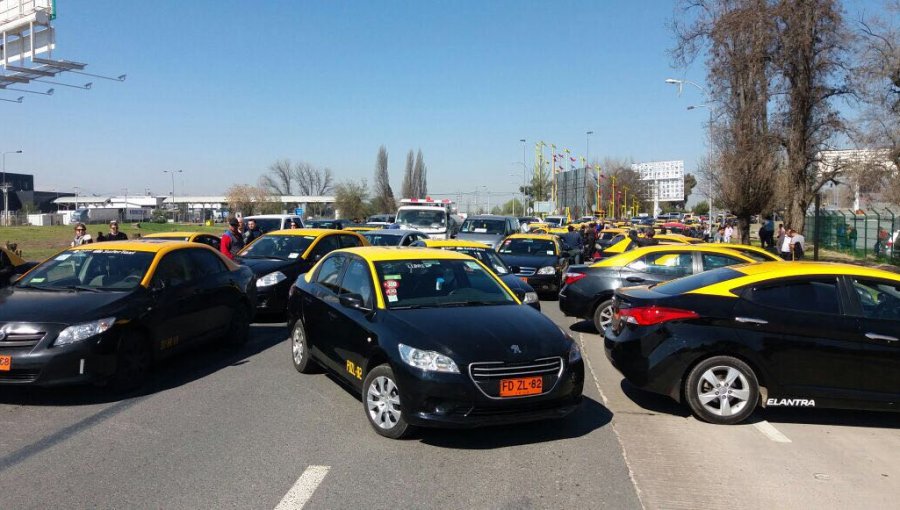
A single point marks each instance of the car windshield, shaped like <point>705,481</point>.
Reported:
<point>91,270</point>
<point>268,224</point>
<point>554,221</point>
<point>541,247</point>
<point>476,226</point>
<point>422,218</point>
<point>439,283</point>
<point>321,224</point>
<point>697,281</point>
<point>278,247</point>
<point>487,257</point>
<point>382,239</point>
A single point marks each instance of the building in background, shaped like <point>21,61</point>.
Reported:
<point>663,181</point>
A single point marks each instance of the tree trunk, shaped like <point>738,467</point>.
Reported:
<point>795,216</point>
<point>744,228</point>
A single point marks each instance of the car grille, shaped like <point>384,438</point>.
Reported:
<point>526,271</point>
<point>20,375</point>
<point>487,375</point>
<point>21,339</point>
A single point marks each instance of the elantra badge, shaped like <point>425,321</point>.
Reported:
<point>515,349</point>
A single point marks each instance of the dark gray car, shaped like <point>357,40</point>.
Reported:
<point>393,237</point>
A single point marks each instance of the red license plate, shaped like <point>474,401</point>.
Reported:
<point>5,363</point>
<point>521,386</point>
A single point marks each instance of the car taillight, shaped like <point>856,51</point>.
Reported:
<point>574,277</point>
<point>649,315</point>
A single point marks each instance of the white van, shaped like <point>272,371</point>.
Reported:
<point>270,222</point>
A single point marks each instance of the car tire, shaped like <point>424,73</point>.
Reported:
<point>239,327</point>
<point>603,316</point>
<point>134,357</point>
<point>722,390</point>
<point>300,354</point>
<point>382,403</point>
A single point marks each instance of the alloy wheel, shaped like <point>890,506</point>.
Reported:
<point>383,402</point>
<point>723,391</point>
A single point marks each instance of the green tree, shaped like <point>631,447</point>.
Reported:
<point>351,199</point>
<point>383,201</point>
<point>407,190</point>
<point>701,208</point>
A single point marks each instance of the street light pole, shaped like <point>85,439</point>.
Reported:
<point>524,177</point>
<point>5,187</point>
<point>708,106</point>
<point>174,205</point>
<point>587,147</point>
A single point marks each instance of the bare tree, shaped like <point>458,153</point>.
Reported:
<point>420,176</point>
<point>810,58</point>
<point>384,201</point>
<point>313,181</point>
<point>408,189</point>
<point>249,200</point>
<point>278,179</point>
<point>738,37</point>
<point>350,199</point>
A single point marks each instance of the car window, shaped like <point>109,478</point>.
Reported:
<point>330,272</point>
<point>325,246</point>
<point>879,299</point>
<point>176,268</point>
<point>382,239</point>
<point>715,261</point>
<point>697,281</point>
<point>274,246</point>
<point>98,268</point>
<point>358,280</point>
<point>668,264</point>
<point>209,241</point>
<point>528,246</point>
<point>206,263</point>
<point>439,282</point>
<point>817,295</point>
<point>350,241</point>
<point>268,224</point>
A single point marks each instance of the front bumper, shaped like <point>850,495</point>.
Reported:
<point>454,401</point>
<point>544,283</point>
<point>91,360</point>
<point>273,298</point>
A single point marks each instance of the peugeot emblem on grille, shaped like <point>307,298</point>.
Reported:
<point>515,349</point>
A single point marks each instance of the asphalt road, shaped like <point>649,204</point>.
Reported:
<point>245,430</point>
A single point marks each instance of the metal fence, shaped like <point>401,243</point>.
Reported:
<point>861,234</point>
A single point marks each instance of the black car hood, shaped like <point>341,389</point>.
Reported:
<point>480,333</point>
<point>62,307</point>
<point>536,261</point>
<point>262,267</point>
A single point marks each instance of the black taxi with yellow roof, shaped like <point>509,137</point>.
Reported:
<point>536,258</point>
<point>277,258</point>
<point>772,334</point>
<point>431,338</point>
<point>105,312</point>
<point>489,258</point>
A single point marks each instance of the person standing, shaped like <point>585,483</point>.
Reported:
<point>114,233</point>
<point>232,241</point>
<point>797,244</point>
<point>590,239</point>
<point>572,241</point>
<point>784,245</point>
<point>729,232</point>
<point>252,232</point>
<point>880,241</point>
<point>81,236</point>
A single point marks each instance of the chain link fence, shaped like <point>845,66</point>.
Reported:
<point>863,234</point>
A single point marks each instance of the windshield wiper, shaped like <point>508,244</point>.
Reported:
<point>83,287</point>
<point>29,286</point>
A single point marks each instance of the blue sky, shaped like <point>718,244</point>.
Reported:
<point>220,89</point>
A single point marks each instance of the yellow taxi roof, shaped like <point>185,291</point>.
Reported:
<point>544,237</point>
<point>389,253</point>
<point>304,232</point>
<point>13,257</point>
<point>453,243</point>
<point>150,245</point>
<point>763,271</point>
<point>628,256</point>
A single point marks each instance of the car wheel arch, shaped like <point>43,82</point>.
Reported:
<point>762,376</point>
<point>377,356</point>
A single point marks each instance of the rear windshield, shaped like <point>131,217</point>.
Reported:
<point>697,281</point>
<point>268,224</point>
<point>477,226</point>
<point>381,239</point>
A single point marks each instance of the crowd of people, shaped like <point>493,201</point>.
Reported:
<point>83,237</point>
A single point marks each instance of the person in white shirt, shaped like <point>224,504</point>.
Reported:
<point>729,231</point>
<point>784,245</point>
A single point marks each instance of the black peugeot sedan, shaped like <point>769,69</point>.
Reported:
<point>773,334</point>
<point>431,338</point>
<point>278,257</point>
<point>588,289</point>
<point>538,258</point>
<point>105,312</point>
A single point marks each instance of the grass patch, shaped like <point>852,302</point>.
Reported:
<point>39,243</point>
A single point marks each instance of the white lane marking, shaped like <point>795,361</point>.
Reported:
<point>303,488</point>
<point>771,432</point>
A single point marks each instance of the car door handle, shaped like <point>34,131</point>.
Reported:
<point>751,320</point>
<point>635,279</point>
<point>886,338</point>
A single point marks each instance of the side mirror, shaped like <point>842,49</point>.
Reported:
<point>353,301</point>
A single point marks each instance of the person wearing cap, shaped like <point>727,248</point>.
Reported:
<point>114,233</point>
<point>232,240</point>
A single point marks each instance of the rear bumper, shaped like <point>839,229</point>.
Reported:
<point>573,303</point>
<point>544,283</point>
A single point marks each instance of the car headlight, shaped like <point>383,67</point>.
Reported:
<point>574,353</point>
<point>271,279</point>
<point>80,332</point>
<point>427,360</point>
<point>530,297</point>
<point>547,270</point>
